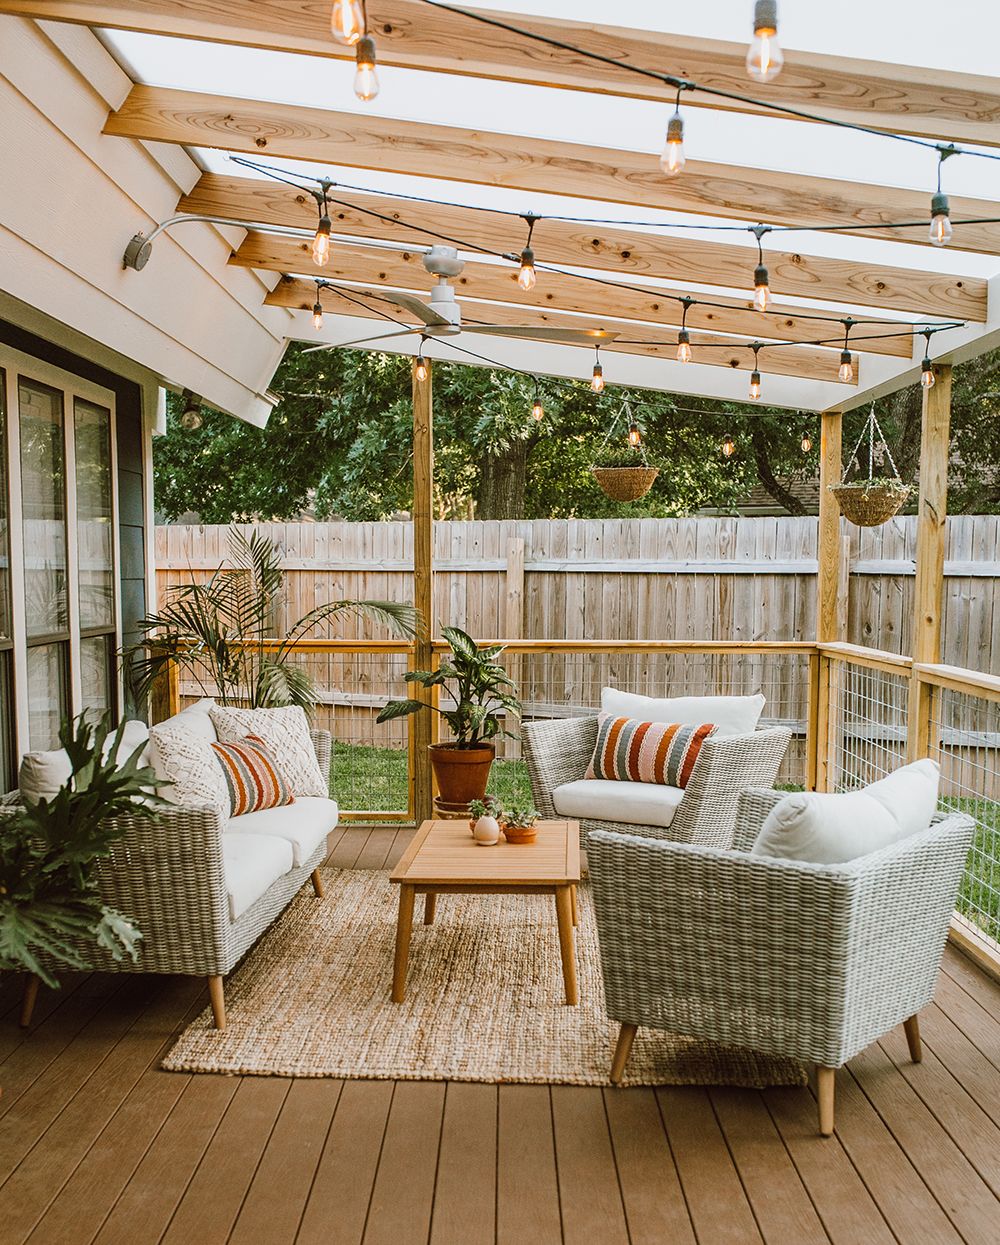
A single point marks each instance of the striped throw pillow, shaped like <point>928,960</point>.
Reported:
<point>659,752</point>
<point>252,776</point>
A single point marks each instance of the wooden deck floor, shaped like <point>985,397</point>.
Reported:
<point>96,1144</point>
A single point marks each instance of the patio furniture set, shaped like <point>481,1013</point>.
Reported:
<point>800,925</point>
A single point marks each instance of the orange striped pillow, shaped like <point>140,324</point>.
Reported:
<point>252,776</point>
<point>659,752</point>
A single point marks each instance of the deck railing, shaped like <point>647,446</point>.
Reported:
<point>855,715</point>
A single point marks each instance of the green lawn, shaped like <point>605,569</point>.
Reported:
<point>375,778</point>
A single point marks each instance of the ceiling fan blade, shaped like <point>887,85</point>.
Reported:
<point>360,341</point>
<point>419,308</point>
<point>544,333</point>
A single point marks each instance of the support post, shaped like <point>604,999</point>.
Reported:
<point>831,603</point>
<point>165,694</point>
<point>514,613</point>
<point>932,518</point>
<point>422,796</point>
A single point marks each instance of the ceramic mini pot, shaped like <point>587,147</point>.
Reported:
<point>486,831</point>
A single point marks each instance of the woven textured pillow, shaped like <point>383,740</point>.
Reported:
<point>253,776</point>
<point>658,752</point>
<point>286,732</point>
<point>186,762</point>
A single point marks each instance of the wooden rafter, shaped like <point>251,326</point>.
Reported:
<point>807,362</point>
<point>516,162</point>
<point>625,253</point>
<point>899,99</point>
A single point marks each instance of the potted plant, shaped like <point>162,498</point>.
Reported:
<point>519,821</point>
<point>624,472</point>
<point>484,824</point>
<point>480,692</point>
<point>50,907</point>
<point>870,502</point>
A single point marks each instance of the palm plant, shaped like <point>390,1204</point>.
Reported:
<point>219,632</point>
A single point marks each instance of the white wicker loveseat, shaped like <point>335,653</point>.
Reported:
<point>808,961</point>
<point>203,888</point>
<point>558,753</point>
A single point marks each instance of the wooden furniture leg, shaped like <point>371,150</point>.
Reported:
<point>430,907</point>
<point>28,1000</point>
<point>404,927</point>
<point>576,911</point>
<point>564,913</point>
<point>217,995</point>
<point>911,1028</point>
<point>626,1036</point>
<point>317,882</point>
<point>825,1082</point>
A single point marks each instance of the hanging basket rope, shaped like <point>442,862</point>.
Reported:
<point>871,502</point>
<point>631,479</point>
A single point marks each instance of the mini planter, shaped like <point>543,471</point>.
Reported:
<point>625,483</point>
<point>870,503</point>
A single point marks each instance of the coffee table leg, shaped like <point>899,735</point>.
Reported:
<point>430,906</point>
<point>564,912</point>
<point>404,928</point>
<point>576,914</point>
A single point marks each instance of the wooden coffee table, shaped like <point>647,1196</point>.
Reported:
<point>444,859</point>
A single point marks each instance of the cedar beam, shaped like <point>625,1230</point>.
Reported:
<point>828,612</point>
<point>423,587</point>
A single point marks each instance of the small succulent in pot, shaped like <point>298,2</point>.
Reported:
<point>483,822</point>
<point>519,821</point>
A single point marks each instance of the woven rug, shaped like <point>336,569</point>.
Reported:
<point>484,1000</point>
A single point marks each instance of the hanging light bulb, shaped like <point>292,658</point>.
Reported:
<point>347,21</point>
<point>526,278</point>
<point>728,446</point>
<point>191,417</point>
<point>317,314</point>
<point>940,230</point>
<point>672,158</point>
<point>764,57</point>
<point>806,443</point>
<point>365,77</point>
<point>683,346</point>
<point>321,242</point>
<point>422,371</point>
<point>755,386</point>
<point>537,410</point>
<point>597,380</point>
<point>927,377</point>
<point>846,372</point>
<point>634,436</point>
<point>761,288</point>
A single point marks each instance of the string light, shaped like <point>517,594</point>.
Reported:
<point>761,280</point>
<point>365,78</point>
<point>927,377</point>
<point>527,277</point>
<point>321,242</point>
<point>939,232</point>
<point>191,417</point>
<point>683,336</point>
<point>728,446</point>
<point>846,371</point>
<point>764,57</point>
<point>672,157</point>
<point>421,370</point>
<point>806,443</point>
<point>537,410</point>
<point>755,375</point>
<point>347,21</point>
<point>597,379</point>
<point>634,436</point>
<point>317,314</point>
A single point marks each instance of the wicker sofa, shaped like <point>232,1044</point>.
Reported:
<point>203,889</point>
<point>809,961</point>
<point>558,753</point>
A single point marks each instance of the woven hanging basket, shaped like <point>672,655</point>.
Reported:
<point>870,504</point>
<point>625,483</point>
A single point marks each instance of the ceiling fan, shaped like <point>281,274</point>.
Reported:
<point>442,315</point>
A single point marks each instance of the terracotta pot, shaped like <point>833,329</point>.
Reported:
<point>461,773</point>
<point>520,834</point>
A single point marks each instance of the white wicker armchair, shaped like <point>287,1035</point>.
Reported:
<point>812,962</point>
<point>559,752</point>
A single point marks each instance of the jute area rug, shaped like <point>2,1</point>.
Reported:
<point>484,1000</point>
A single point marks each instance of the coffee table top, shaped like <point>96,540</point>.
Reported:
<point>445,852</point>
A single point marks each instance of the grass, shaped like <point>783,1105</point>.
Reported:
<point>376,779</point>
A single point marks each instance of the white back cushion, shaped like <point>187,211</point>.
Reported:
<point>827,828</point>
<point>195,718</point>
<point>43,773</point>
<point>732,715</point>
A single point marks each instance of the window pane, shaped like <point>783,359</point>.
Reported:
<point>6,722</point>
<point>47,699</point>
<point>97,673</point>
<point>5,620</point>
<point>43,489</point>
<point>94,514</point>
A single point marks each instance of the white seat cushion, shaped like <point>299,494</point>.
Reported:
<point>252,863</point>
<point>304,824</point>
<point>731,715</point>
<point>636,803</point>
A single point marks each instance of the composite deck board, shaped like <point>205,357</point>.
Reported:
<point>98,1145</point>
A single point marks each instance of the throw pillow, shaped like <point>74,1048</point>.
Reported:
<point>195,718</point>
<point>186,761</point>
<point>827,828</point>
<point>732,715</point>
<point>286,733</point>
<point>631,751</point>
<point>254,779</point>
<point>41,774</point>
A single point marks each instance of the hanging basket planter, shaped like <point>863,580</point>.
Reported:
<point>870,503</point>
<point>625,483</point>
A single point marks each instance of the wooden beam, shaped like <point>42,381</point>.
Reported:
<point>711,349</point>
<point>932,514</point>
<point>423,586</point>
<point>828,612</point>
<point>626,254</point>
<point>516,162</point>
<point>896,98</point>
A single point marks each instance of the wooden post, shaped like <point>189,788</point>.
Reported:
<point>421,793</point>
<point>932,517</point>
<point>514,612</point>
<point>831,603</point>
<point>165,694</point>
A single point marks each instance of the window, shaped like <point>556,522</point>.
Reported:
<point>95,555</point>
<point>7,745</point>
